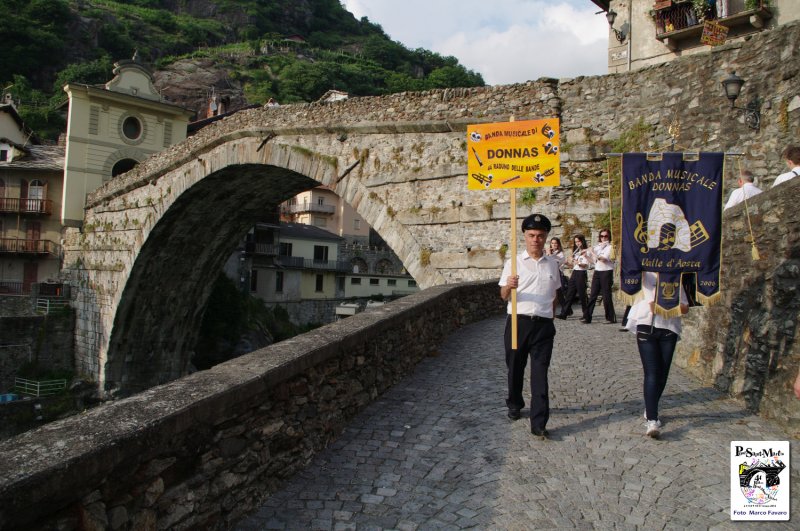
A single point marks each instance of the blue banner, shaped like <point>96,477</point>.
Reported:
<point>671,224</point>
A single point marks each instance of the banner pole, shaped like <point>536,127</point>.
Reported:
<point>513,203</point>
<point>513,196</point>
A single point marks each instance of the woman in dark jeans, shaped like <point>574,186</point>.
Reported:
<point>656,337</point>
<point>576,287</point>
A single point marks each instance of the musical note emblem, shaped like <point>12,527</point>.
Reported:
<point>699,234</point>
<point>668,290</point>
<point>666,238</point>
<point>640,234</point>
<point>667,228</point>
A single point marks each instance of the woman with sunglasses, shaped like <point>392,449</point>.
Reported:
<point>576,287</point>
<point>603,278</point>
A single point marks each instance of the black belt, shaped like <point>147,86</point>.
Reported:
<point>534,318</point>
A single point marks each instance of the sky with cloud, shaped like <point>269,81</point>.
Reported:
<point>506,41</point>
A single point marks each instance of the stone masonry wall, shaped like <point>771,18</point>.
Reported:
<point>44,340</point>
<point>202,451</point>
<point>748,345</point>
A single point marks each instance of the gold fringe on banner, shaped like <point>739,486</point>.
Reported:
<point>669,314</point>
<point>630,300</point>
<point>709,301</point>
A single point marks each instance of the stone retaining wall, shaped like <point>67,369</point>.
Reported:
<point>44,340</point>
<point>747,345</point>
<point>202,451</point>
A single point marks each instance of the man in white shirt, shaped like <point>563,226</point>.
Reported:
<point>792,157</point>
<point>537,282</point>
<point>746,190</point>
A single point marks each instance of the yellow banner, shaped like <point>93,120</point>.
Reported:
<point>513,155</point>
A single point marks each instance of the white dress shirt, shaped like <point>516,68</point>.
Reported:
<point>640,313</point>
<point>783,177</point>
<point>740,194</point>
<point>538,282</point>
<point>603,249</point>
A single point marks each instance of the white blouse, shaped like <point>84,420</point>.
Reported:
<point>640,313</point>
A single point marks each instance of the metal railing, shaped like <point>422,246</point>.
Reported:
<point>39,388</point>
<point>46,305</point>
<point>26,206</point>
<point>21,246</point>
<point>682,15</point>
<point>269,249</point>
<point>309,207</point>
<point>307,263</point>
<point>12,287</point>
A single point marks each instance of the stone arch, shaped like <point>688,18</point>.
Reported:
<point>384,266</point>
<point>161,307</point>
<point>121,154</point>
<point>178,223</point>
<point>359,265</point>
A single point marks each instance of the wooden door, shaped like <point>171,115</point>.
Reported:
<point>30,275</point>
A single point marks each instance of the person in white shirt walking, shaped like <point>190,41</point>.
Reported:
<point>579,260</point>
<point>537,281</point>
<point>656,337</point>
<point>603,278</point>
<point>746,190</point>
<point>792,157</point>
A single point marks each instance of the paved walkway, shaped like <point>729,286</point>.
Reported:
<point>437,451</point>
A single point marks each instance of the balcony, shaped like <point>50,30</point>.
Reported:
<point>297,262</point>
<point>16,205</point>
<point>28,247</point>
<point>304,208</point>
<point>678,22</point>
<point>262,249</point>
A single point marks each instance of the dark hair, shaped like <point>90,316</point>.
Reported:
<point>792,153</point>
<point>747,176</point>
<point>560,247</point>
<point>600,233</point>
<point>580,237</point>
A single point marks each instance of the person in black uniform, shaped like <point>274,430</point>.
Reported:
<point>537,283</point>
<point>580,260</point>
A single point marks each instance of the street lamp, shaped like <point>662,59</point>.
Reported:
<point>732,85</point>
<point>611,16</point>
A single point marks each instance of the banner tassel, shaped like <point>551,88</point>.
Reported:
<point>754,250</point>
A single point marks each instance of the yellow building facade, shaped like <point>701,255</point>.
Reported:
<point>112,128</point>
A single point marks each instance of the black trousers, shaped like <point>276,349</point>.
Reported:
<point>534,339</point>
<point>576,287</point>
<point>601,284</point>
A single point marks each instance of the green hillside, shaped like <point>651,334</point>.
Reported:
<point>294,50</point>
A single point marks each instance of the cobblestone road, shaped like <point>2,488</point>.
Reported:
<point>437,451</point>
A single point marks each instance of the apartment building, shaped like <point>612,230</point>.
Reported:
<point>647,32</point>
<point>31,185</point>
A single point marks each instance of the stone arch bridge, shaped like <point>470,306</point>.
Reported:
<point>154,239</point>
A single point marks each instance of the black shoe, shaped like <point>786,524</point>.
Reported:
<point>514,414</point>
<point>623,329</point>
<point>569,312</point>
<point>542,434</point>
<point>610,322</point>
<point>562,317</point>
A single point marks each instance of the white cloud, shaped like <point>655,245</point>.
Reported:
<point>507,41</point>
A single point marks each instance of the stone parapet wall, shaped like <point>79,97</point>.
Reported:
<point>748,345</point>
<point>202,451</point>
